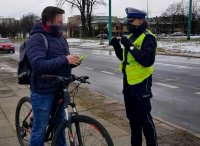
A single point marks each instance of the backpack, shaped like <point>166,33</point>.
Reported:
<point>24,67</point>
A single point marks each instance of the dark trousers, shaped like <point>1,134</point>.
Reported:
<point>138,108</point>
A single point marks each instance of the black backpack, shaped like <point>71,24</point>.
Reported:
<point>24,67</point>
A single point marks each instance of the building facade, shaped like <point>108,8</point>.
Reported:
<point>158,25</point>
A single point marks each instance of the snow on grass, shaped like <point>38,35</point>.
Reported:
<point>174,44</point>
<point>187,46</point>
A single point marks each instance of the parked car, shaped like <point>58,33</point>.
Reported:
<point>6,45</point>
<point>104,36</point>
<point>178,34</point>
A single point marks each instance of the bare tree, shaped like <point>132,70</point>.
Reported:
<point>172,11</point>
<point>27,23</point>
<point>86,8</point>
<point>81,6</point>
<point>183,13</point>
<point>90,4</point>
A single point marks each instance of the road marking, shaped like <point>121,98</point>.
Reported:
<point>197,93</point>
<point>106,72</point>
<point>90,68</point>
<point>166,85</point>
<point>177,66</point>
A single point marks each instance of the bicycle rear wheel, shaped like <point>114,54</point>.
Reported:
<point>23,120</point>
<point>86,131</point>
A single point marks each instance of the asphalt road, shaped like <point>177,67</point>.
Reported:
<point>176,85</point>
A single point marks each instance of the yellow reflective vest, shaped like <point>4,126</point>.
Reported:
<point>135,72</point>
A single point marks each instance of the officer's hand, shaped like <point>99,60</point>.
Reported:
<point>115,43</point>
<point>126,42</point>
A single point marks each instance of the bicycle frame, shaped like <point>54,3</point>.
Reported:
<point>69,115</point>
<point>63,101</point>
<point>60,104</point>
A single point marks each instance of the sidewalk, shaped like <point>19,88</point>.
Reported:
<point>107,111</point>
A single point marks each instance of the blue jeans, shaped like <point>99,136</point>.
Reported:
<point>42,106</point>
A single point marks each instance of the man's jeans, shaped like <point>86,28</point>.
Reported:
<point>42,106</point>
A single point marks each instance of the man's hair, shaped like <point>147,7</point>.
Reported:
<point>50,12</point>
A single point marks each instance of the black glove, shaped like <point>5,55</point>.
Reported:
<point>115,43</point>
<point>126,42</point>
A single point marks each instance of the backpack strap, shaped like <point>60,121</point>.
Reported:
<point>45,41</point>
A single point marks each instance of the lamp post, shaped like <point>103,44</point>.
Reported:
<point>189,20</point>
<point>147,9</point>
<point>110,23</point>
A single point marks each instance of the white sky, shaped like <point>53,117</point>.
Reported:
<point>16,8</point>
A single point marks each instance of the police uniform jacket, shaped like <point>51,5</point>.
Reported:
<point>145,56</point>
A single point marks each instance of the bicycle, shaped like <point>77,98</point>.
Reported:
<point>82,130</point>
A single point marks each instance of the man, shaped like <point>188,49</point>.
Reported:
<point>138,56</point>
<point>56,60</point>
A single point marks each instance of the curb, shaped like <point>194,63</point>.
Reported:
<point>177,127</point>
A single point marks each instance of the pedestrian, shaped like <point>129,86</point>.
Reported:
<point>56,60</point>
<point>137,58</point>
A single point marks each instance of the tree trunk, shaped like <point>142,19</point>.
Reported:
<point>84,30</point>
<point>89,21</point>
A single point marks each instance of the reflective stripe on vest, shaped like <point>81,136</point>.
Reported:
<point>135,72</point>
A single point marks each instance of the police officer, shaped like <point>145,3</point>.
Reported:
<point>137,57</point>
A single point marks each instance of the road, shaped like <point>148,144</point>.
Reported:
<point>176,85</point>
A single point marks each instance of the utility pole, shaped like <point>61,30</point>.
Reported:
<point>189,20</point>
<point>110,23</point>
<point>147,9</point>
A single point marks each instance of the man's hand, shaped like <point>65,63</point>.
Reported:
<point>126,42</point>
<point>74,59</point>
<point>115,43</point>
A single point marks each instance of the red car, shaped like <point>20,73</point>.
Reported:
<point>6,45</point>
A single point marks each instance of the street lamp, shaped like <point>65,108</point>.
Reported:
<point>110,23</point>
<point>147,9</point>
<point>189,20</point>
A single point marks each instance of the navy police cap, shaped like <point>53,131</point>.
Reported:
<point>135,13</point>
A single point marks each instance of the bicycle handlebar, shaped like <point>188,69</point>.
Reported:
<point>64,80</point>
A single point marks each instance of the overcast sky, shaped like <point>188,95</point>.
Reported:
<point>16,8</point>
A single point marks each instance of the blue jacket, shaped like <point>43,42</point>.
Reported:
<point>50,62</point>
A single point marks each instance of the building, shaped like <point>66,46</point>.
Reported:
<point>158,25</point>
<point>99,25</point>
<point>7,20</point>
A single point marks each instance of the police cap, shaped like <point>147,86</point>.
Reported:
<point>135,13</point>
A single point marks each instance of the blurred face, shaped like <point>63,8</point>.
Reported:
<point>134,23</point>
<point>137,22</point>
<point>56,26</point>
<point>57,21</point>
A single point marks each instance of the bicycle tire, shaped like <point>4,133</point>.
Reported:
<point>22,134</point>
<point>94,128</point>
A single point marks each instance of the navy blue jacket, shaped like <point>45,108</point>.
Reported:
<point>50,62</point>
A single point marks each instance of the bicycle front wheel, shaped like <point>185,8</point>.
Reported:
<point>85,131</point>
<point>23,120</point>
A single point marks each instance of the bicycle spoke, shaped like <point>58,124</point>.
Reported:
<point>90,135</point>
